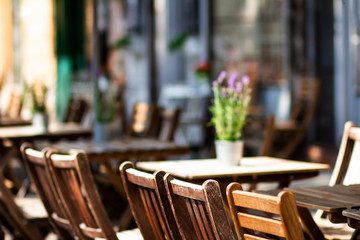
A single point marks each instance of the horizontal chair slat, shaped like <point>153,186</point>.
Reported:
<point>270,226</point>
<point>91,232</point>
<point>252,201</point>
<point>252,237</point>
<point>140,178</point>
<point>188,190</point>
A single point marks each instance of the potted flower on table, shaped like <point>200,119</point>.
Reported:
<point>40,118</point>
<point>229,110</point>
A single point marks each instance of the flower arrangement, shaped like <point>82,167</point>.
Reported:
<point>105,100</point>
<point>38,91</point>
<point>231,99</point>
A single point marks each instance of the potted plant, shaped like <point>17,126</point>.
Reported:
<point>229,110</point>
<point>40,118</point>
<point>105,108</point>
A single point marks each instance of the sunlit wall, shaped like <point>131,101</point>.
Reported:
<point>37,29</point>
<point>5,38</point>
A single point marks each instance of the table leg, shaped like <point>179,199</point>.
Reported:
<point>310,226</point>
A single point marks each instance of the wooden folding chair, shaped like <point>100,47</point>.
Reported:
<point>36,167</point>
<point>75,185</point>
<point>346,172</point>
<point>149,204</point>
<point>77,109</point>
<point>290,134</point>
<point>26,217</point>
<point>143,120</point>
<point>250,224</point>
<point>169,123</point>
<point>258,134</point>
<point>198,209</point>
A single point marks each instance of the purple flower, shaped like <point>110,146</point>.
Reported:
<point>225,95</point>
<point>238,86</point>
<point>245,79</point>
<point>232,80</point>
<point>222,76</point>
<point>215,83</point>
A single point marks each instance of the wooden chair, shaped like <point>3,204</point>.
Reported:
<point>353,221</point>
<point>199,209</point>
<point>169,123</point>
<point>290,134</point>
<point>258,134</point>
<point>75,185</point>
<point>26,217</point>
<point>77,109</point>
<point>346,171</point>
<point>252,225</point>
<point>149,204</point>
<point>36,167</point>
<point>144,118</point>
<point>15,105</point>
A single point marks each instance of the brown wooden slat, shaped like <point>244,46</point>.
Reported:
<point>188,190</point>
<point>199,219</point>
<point>205,220</point>
<point>327,193</point>
<point>252,201</point>
<point>252,237</point>
<point>188,203</point>
<point>141,178</point>
<point>91,232</point>
<point>270,226</point>
<point>318,203</point>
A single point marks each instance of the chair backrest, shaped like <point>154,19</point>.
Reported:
<point>198,209</point>
<point>36,167</point>
<point>258,134</point>
<point>143,119</point>
<point>15,105</point>
<point>77,109</point>
<point>169,123</point>
<point>75,185</point>
<point>248,223</point>
<point>147,197</point>
<point>13,215</point>
<point>306,101</point>
<point>347,166</point>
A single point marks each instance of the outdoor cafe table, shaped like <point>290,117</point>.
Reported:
<point>121,150</point>
<point>124,149</point>
<point>12,137</point>
<point>8,121</point>
<point>330,199</point>
<point>251,170</point>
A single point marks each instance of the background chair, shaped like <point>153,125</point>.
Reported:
<point>248,224</point>
<point>77,110</point>
<point>14,107</point>
<point>290,134</point>
<point>143,120</point>
<point>149,204</point>
<point>258,134</point>
<point>36,167</point>
<point>167,124</point>
<point>76,188</point>
<point>198,209</point>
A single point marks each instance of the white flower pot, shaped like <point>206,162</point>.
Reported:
<point>229,152</point>
<point>40,121</point>
<point>102,132</point>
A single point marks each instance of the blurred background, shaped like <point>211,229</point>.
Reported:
<point>115,53</point>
